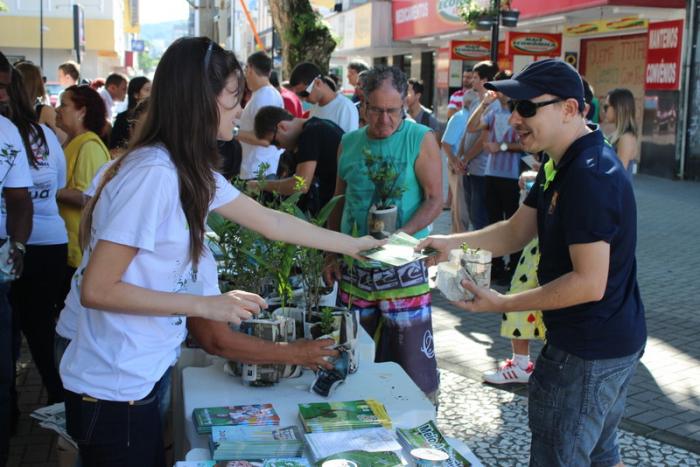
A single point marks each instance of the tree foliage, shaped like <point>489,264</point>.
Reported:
<point>305,37</point>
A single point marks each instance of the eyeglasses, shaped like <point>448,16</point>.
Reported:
<point>391,112</point>
<point>528,109</point>
<point>305,93</point>
<point>606,107</point>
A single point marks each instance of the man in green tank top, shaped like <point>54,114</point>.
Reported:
<point>394,303</point>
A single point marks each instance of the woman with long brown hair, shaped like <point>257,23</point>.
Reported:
<point>34,85</point>
<point>141,275</point>
<point>620,111</point>
<point>36,292</point>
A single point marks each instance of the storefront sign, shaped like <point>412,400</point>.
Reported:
<point>420,18</point>
<point>413,18</point>
<point>664,48</point>
<point>533,43</point>
<point>474,51</point>
<point>605,26</point>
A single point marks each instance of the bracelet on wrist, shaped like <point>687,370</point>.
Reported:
<point>19,246</point>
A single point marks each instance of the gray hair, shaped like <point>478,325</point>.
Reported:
<point>376,76</point>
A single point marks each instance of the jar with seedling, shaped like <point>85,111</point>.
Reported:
<point>464,263</point>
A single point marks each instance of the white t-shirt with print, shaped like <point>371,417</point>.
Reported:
<point>252,155</point>
<point>341,111</point>
<point>48,177</point>
<point>119,356</point>
<point>14,166</point>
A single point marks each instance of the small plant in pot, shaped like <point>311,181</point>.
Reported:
<point>509,16</point>
<point>385,175</point>
<point>310,262</point>
<point>478,14</point>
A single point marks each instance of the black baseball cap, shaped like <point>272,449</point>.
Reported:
<point>550,76</point>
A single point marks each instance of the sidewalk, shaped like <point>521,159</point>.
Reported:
<point>664,396</point>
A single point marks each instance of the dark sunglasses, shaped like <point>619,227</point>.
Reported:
<point>528,109</point>
<point>606,107</point>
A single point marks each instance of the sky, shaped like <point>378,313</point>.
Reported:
<point>157,11</point>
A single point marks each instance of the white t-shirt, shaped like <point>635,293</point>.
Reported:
<point>253,155</point>
<point>109,103</point>
<point>119,356</point>
<point>97,179</point>
<point>14,166</point>
<point>341,111</point>
<point>48,177</point>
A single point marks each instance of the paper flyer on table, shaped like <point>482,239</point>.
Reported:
<point>368,439</point>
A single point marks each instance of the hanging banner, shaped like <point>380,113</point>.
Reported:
<point>664,48</point>
<point>533,43</point>
<point>473,51</point>
<point>605,26</point>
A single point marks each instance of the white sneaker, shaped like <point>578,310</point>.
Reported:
<point>509,373</point>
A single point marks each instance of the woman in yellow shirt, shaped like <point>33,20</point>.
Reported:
<point>82,116</point>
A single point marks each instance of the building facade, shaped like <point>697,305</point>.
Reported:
<point>611,42</point>
<point>105,39</point>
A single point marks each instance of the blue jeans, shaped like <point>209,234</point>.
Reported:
<point>115,434</point>
<point>7,372</point>
<point>164,385</point>
<point>478,213</point>
<point>575,407</point>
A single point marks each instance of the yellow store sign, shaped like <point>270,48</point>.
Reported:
<point>606,26</point>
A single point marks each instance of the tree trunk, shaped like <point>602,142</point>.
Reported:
<point>304,36</point>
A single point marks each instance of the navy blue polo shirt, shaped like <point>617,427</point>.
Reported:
<point>589,200</point>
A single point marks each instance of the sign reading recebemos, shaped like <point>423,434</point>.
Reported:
<point>664,48</point>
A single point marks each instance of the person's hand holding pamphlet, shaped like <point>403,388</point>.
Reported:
<point>399,250</point>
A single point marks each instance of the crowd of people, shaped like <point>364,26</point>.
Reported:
<point>106,217</point>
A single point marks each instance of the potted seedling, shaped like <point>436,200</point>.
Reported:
<point>509,16</point>
<point>473,264</point>
<point>478,14</point>
<point>385,175</point>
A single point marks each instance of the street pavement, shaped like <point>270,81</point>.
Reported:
<point>662,419</point>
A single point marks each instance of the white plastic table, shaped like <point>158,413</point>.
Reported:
<point>386,382</point>
<point>209,386</point>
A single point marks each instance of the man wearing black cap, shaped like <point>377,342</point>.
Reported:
<point>583,209</point>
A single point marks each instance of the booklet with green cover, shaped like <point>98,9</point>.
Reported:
<point>338,416</point>
<point>428,435</point>
<point>253,414</point>
<point>399,250</point>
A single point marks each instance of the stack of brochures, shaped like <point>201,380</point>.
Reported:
<point>274,462</point>
<point>427,435</point>
<point>247,415</point>
<point>339,416</point>
<point>255,442</point>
